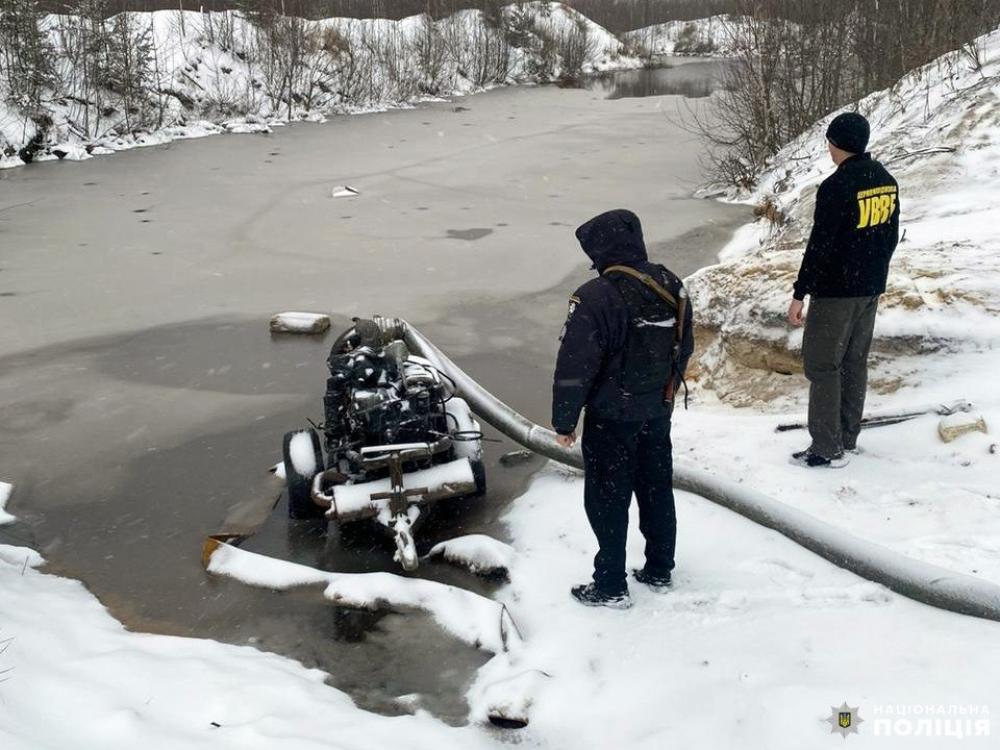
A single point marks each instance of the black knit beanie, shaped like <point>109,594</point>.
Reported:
<point>849,131</point>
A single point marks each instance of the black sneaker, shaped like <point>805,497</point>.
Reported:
<point>658,583</point>
<point>811,460</point>
<point>591,596</point>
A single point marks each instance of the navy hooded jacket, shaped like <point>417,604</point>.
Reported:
<point>589,364</point>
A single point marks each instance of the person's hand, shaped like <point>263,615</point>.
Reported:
<point>795,316</point>
<point>566,441</point>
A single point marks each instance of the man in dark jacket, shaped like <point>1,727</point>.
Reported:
<point>844,271</point>
<point>622,358</point>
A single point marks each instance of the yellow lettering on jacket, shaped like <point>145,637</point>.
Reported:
<point>876,205</point>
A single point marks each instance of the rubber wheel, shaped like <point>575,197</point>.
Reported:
<point>479,474</point>
<point>298,484</point>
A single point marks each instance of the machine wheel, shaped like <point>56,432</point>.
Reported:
<point>299,474</point>
<point>479,474</point>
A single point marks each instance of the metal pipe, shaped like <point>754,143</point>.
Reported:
<point>923,582</point>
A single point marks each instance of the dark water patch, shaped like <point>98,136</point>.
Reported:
<point>471,235</point>
<point>139,524</point>
<point>8,294</point>
<point>693,80</point>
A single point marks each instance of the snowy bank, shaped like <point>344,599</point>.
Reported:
<point>194,74</point>
<point>75,678</point>
<point>702,37</point>
<point>751,647</point>
<point>937,131</point>
<point>936,332</point>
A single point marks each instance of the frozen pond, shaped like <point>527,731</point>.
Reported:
<point>143,399</point>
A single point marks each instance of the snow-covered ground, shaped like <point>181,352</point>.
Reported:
<point>759,638</point>
<point>210,73</point>
<point>937,131</point>
<point>936,335</point>
<point>755,642</point>
<point>703,37</point>
<point>73,677</point>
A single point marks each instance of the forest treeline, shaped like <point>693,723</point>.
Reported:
<point>614,15</point>
<point>794,61</point>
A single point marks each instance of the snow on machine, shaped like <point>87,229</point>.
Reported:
<point>395,439</point>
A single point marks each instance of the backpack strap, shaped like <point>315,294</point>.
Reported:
<point>648,280</point>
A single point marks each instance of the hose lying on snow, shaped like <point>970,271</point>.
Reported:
<point>917,580</point>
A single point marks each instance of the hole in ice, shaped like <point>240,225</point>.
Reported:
<point>476,233</point>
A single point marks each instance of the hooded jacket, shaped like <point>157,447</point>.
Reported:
<point>589,363</point>
<point>855,232</point>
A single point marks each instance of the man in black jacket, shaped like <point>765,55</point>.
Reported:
<point>622,358</point>
<point>844,271</point>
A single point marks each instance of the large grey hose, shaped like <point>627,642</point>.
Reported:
<point>917,580</point>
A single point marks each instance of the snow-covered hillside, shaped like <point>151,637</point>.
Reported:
<point>217,72</point>
<point>936,333</point>
<point>704,37</point>
<point>937,131</point>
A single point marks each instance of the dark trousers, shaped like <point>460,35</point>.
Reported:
<point>835,348</point>
<point>621,458</point>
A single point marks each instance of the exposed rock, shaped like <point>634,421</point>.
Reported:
<point>955,425</point>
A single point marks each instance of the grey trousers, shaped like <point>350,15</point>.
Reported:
<point>835,348</point>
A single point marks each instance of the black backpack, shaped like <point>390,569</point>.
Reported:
<point>655,331</point>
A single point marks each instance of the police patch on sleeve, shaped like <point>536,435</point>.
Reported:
<point>573,302</point>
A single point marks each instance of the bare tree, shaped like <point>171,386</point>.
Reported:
<point>794,61</point>
<point>26,57</point>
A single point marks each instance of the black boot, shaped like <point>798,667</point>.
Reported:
<point>811,460</point>
<point>591,596</point>
<point>658,583</point>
